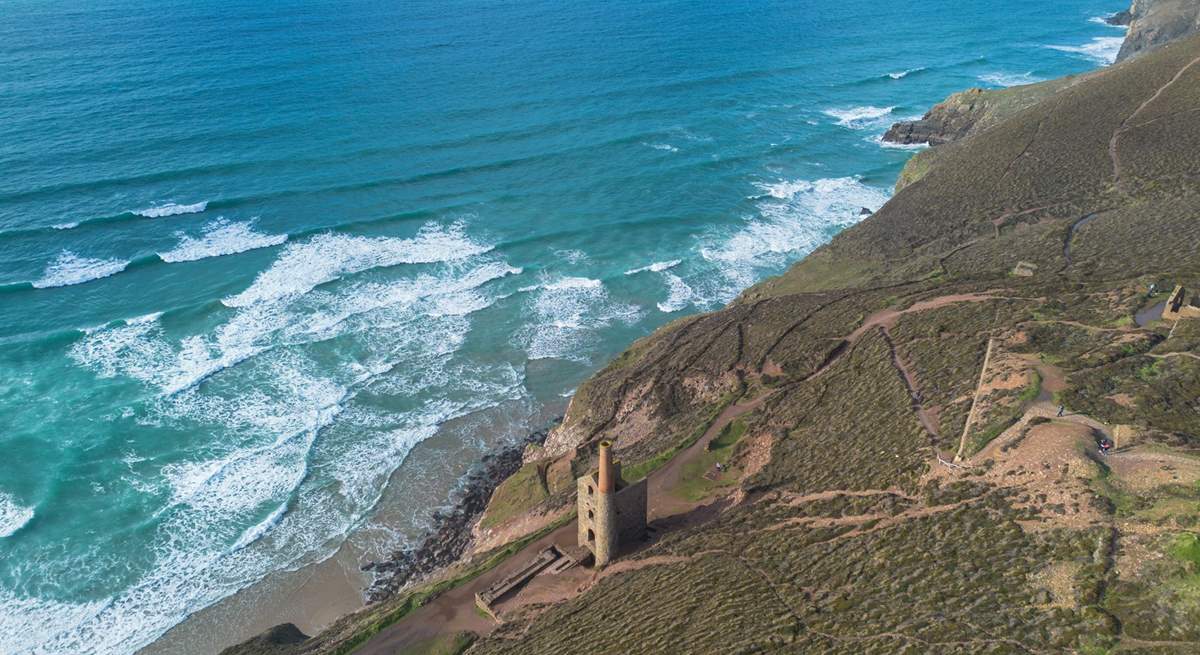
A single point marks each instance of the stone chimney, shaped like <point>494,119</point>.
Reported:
<point>607,483</point>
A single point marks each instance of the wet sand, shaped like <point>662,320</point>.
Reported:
<point>314,596</point>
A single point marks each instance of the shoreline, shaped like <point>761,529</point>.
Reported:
<point>451,535</point>
<point>309,599</point>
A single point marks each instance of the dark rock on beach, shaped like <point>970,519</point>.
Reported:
<point>450,535</point>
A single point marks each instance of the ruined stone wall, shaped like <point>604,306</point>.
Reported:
<point>631,505</point>
<point>597,520</point>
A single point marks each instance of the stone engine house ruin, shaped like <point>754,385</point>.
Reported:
<point>611,513</point>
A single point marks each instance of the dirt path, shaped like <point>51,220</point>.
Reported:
<point>1053,380</point>
<point>663,502</point>
<point>927,418</point>
<point>962,440</point>
<point>454,610</point>
<point>1126,126</point>
<point>1176,354</point>
<point>888,317</point>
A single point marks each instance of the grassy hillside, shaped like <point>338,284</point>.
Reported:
<point>902,481</point>
<point>852,537</point>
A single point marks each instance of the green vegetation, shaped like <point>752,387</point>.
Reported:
<point>852,537</point>
<point>977,441</point>
<point>518,494</point>
<point>1186,548</point>
<point>1120,502</point>
<point>636,472</point>
<point>700,476</point>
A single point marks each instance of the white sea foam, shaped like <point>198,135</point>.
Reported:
<point>276,392</point>
<point>567,312</point>
<point>573,283</point>
<point>1009,79</point>
<point>878,140</point>
<point>1101,49</point>
<point>254,532</point>
<point>140,351</point>
<point>195,563</point>
<point>13,516</point>
<point>1103,20</point>
<point>27,623</point>
<point>661,146</point>
<point>220,237</point>
<point>784,189</point>
<point>905,73</point>
<point>679,294</point>
<point>145,318</point>
<point>303,266</point>
<point>66,226</point>
<point>571,256</point>
<point>71,269</point>
<point>172,209</point>
<point>785,229</point>
<point>656,267</point>
<point>861,118</point>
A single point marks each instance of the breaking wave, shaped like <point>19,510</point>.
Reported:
<point>790,223</point>
<point>859,118</point>
<point>171,209</point>
<point>878,140</point>
<point>1009,79</point>
<point>220,238</point>
<point>1101,49</point>
<point>656,267</point>
<point>566,314</point>
<point>69,269</point>
<point>13,516</point>
<point>905,73</point>
<point>303,266</point>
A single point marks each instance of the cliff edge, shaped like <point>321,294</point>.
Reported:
<point>1153,23</point>
<point>961,426</point>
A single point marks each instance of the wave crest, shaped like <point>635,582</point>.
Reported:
<point>220,238</point>
<point>303,266</point>
<point>13,516</point>
<point>69,269</point>
<point>171,209</point>
<point>1101,49</point>
<point>858,118</point>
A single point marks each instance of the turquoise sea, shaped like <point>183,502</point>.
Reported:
<point>274,275</point>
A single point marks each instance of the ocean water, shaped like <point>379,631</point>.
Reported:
<point>262,266</point>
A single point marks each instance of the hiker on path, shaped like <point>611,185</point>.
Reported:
<point>1060,410</point>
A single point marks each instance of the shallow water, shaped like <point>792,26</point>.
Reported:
<point>250,256</point>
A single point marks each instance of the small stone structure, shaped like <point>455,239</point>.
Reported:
<point>611,513</point>
<point>551,558</point>
<point>1178,307</point>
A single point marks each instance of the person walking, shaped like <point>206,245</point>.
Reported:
<point>1060,409</point>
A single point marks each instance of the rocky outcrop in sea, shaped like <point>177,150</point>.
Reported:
<point>945,122</point>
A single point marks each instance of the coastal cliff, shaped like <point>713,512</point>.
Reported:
<point>910,423</point>
<point>970,111</point>
<point>1153,23</point>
